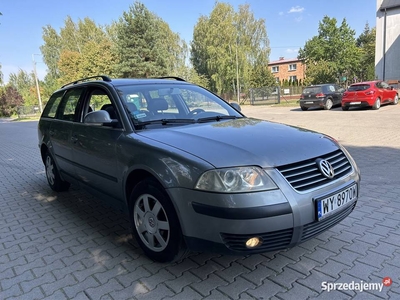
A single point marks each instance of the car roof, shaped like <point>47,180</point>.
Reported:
<point>322,84</point>
<point>367,82</point>
<point>123,81</point>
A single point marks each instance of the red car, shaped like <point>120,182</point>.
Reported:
<point>369,93</point>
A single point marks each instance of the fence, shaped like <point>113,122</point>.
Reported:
<point>274,94</point>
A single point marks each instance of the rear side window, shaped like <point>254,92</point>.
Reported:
<point>312,90</point>
<point>68,110</point>
<point>51,108</point>
<point>359,87</point>
<point>329,88</point>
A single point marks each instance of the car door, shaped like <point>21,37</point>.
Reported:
<point>60,132</point>
<point>94,147</point>
<point>387,92</point>
<point>338,94</point>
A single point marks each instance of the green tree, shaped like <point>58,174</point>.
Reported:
<point>10,99</point>
<point>227,45</point>
<point>321,71</point>
<point>145,45</point>
<point>366,43</point>
<point>84,41</point>
<point>335,45</point>
<point>24,83</point>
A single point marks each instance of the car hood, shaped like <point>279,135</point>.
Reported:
<point>244,141</point>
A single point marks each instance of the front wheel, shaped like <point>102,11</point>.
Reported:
<point>53,176</point>
<point>155,224</point>
<point>345,108</point>
<point>303,108</point>
<point>377,104</point>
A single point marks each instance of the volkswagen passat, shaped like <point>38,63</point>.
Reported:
<point>191,170</point>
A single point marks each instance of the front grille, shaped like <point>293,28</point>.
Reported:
<point>305,175</point>
<point>312,229</point>
<point>271,241</point>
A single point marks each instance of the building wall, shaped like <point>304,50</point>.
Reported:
<point>284,73</point>
<point>387,66</point>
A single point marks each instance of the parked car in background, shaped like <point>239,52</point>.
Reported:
<point>191,171</point>
<point>323,96</point>
<point>369,93</point>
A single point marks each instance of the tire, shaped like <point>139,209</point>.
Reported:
<point>396,100</point>
<point>377,104</point>
<point>345,108</point>
<point>303,108</point>
<point>328,104</point>
<point>154,222</point>
<point>53,176</point>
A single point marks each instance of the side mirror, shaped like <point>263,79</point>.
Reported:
<point>235,105</point>
<point>99,118</point>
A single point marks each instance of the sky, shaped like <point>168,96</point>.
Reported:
<point>289,23</point>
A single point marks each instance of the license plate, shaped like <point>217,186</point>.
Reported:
<point>329,205</point>
<point>309,102</point>
<point>355,103</point>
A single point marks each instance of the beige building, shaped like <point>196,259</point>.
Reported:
<point>287,69</point>
<point>387,50</point>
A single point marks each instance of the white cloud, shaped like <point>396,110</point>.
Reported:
<point>292,50</point>
<point>296,9</point>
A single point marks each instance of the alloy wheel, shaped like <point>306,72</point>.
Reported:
<point>151,223</point>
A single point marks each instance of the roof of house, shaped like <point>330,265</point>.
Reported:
<point>283,61</point>
<point>389,4</point>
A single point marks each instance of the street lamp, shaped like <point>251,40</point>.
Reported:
<point>37,82</point>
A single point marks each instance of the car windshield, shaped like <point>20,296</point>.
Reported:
<point>173,103</point>
<point>312,90</point>
<point>359,87</point>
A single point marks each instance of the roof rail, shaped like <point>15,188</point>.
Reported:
<point>103,77</point>
<point>170,77</point>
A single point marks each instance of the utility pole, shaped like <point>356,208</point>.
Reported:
<point>37,83</point>
<point>237,71</point>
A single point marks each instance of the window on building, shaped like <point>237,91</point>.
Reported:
<point>292,78</point>
<point>275,69</point>
<point>293,67</point>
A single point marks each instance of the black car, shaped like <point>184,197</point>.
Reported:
<point>321,96</point>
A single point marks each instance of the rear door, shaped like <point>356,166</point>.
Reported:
<point>60,132</point>
<point>387,92</point>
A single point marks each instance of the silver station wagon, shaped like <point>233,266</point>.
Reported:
<point>191,170</point>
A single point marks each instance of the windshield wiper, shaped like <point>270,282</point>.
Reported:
<point>216,118</point>
<point>166,121</point>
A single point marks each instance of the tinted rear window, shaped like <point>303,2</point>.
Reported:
<point>359,87</point>
<point>312,90</point>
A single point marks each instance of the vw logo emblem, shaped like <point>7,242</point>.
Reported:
<point>325,167</point>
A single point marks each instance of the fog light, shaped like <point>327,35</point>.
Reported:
<point>253,242</point>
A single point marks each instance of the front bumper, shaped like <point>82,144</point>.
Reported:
<point>224,222</point>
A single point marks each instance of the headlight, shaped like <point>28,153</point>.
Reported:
<point>235,180</point>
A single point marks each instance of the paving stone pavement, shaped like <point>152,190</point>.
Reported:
<point>70,246</point>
